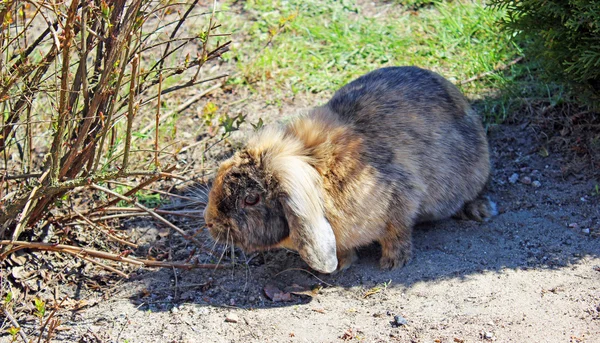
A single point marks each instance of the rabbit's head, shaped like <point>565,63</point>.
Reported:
<point>268,195</point>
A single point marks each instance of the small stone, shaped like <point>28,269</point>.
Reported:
<point>18,260</point>
<point>513,178</point>
<point>175,309</point>
<point>586,231</point>
<point>536,184</point>
<point>488,335</point>
<point>252,299</point>
<point>232,318</point>
<point>573,225</point>
<point>399,320</point>
<point>526,180</point>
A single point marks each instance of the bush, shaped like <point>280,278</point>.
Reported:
<point>563,35</point>
<point>76,81</point>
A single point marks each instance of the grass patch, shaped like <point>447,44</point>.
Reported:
<point>292,47</point>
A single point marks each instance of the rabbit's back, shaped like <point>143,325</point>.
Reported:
<point>416,125</point>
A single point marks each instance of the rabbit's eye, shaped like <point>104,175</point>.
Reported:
<point>251,199</point>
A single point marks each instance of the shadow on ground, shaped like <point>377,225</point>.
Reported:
<point>546,221</point>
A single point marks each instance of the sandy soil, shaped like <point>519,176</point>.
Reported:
<point>531,274</point>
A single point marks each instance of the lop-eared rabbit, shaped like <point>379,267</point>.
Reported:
<point>393,148</point>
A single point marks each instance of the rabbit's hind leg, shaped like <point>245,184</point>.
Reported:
<point>479,209</point>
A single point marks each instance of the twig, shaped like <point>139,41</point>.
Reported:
<point>25,213</point>
<point>78,251</point>
<point>181,213</point>
<point>102,265</point>
<point>142,184</point>
<point>184,106</point>
<point>14,322</point>
<point>56,307</point>
<point>154,191</point>
<point>158,105</point>
<point>130,112</point>
<point>121,215</point>
<point>182,86</point>
<point>92,224</point>
<point>188,213</point>
<point>22,176</point>
<point>63,109</point>
<point>152,213</point>
<point>488,73</point>
<point>177,27</point>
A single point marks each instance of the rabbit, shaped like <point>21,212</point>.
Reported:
<point>393,148</point>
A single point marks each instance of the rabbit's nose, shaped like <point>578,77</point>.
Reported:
<point>209,225</point>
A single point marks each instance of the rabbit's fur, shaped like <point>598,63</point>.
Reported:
<point>393,148</point>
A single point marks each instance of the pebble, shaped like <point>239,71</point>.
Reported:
<point>488,335</point>
<point>232,318</point>
<point>174,309</point>
<point>526,180</point>
<point>573,225</point>
<point>536,184</point>
<point>513,178</point>
<point>586,231</point>
<point>399,320</point>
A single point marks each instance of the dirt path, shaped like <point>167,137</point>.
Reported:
<point>532,274</point>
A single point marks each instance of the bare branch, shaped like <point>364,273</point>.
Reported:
<point>78,251</point>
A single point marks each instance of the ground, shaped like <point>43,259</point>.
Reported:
<point>530,274</point>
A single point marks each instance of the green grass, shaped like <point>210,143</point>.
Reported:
<point>296,46</point>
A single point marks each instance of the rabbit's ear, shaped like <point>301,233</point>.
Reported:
<point>302,200</point>
<point>301,195</point>
<point>313,238</point>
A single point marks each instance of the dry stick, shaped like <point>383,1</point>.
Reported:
<point>25,213</point>
<point>488,73</point>
<point>137,188</point>
<point>92,224</point>
<point>130,112</point>
<point>155,191</point>
<point>56,307</point>
<point>152,213</point>
<point>21,176</point>
<point>184,106</point>
<point>156,163</point>
<point>29,134</point>
<point>78,251</point>
<point>63,109</point>
<point>174,176</point>
<point>204,56</point>
<point>102,265</point>
<point>121,215</point>
<point>14,322</point>
<point>14,208</point>
<point>182,86</point>
<point>110,112</point>
<point>182,213</point>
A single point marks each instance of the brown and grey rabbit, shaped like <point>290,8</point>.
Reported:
<point>393,148</point>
